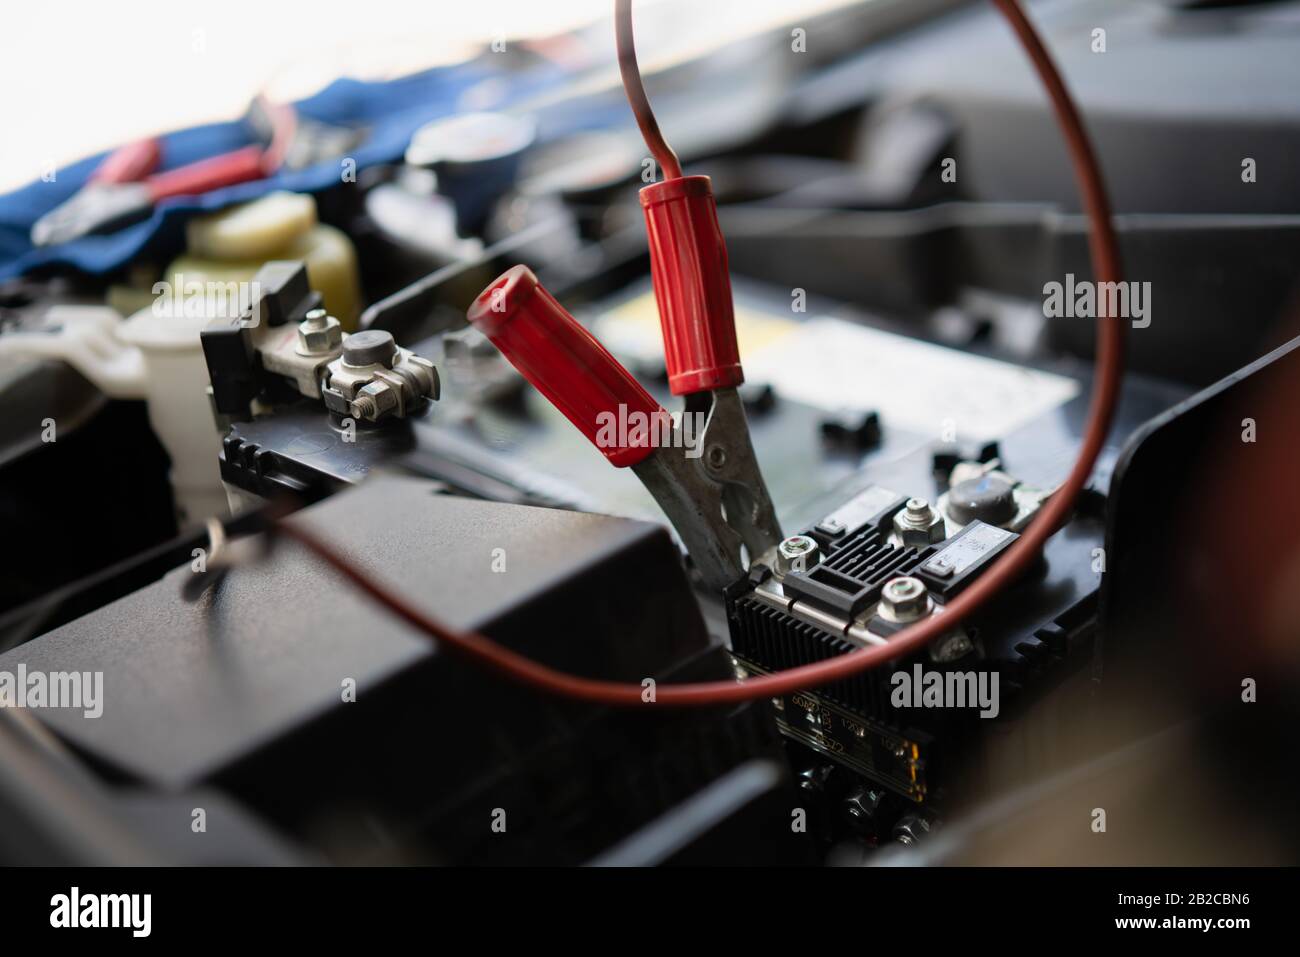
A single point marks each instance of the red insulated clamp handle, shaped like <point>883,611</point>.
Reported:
<point>688,264</point>
<point>130,163</point>
<point>202,176</point>
<point>569,366</point>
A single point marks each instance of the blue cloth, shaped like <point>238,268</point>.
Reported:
<point>390,111</point>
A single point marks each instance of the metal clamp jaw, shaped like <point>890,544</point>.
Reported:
<point>717,501</point>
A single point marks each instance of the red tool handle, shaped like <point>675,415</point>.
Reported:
<point>688,264</point>
<point>203,176</point>
<point>130,163</point>
<point>569,366</point>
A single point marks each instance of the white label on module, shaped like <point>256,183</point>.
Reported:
<point>914,385</point>
<point>967,550</point>
<point>859,510</point>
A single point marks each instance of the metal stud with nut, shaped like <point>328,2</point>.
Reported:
<point>375,400</point>
<point>911,828</point>
<point>904,599</point>
<point>917,524</point>
<point>319,334</point>
<point>798,553</point>
<point>861,805</point>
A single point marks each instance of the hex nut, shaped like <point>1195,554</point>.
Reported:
<point>798,553</point>
<point>319,334</point>
<point>904,599</point>
<point>918,525</point>
<point>911,828</point>
<point>374,401</point>
<point>862,803</point>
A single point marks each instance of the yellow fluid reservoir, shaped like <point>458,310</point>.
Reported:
<point>231,246</point>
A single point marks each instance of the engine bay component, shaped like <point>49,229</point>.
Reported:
<point>983,492</point>
<point>904,599</point>
<point>285,334</point>
<point>271,724</point>
<point>360,627</point>
<point>319,333</point>
<point>375,378</point>
<point>987,498</point>
<point>230,246</point>
<point>797,553</point>
<point>869,508</point>
<point>917,524</point>
<point>961,558</point>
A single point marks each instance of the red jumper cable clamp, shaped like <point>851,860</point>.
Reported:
<point>717,499</point>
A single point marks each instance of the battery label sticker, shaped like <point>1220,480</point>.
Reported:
<point>917,386</point>
<point>631,330</point>
<point>861,509</point>
<point>967,550</point>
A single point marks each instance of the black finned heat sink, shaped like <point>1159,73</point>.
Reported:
<point>772,640</point>
<point>847,581</point>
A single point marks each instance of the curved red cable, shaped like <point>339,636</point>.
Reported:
<point>634,87</point>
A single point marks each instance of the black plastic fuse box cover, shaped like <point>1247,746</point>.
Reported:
<point>190,690</point>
